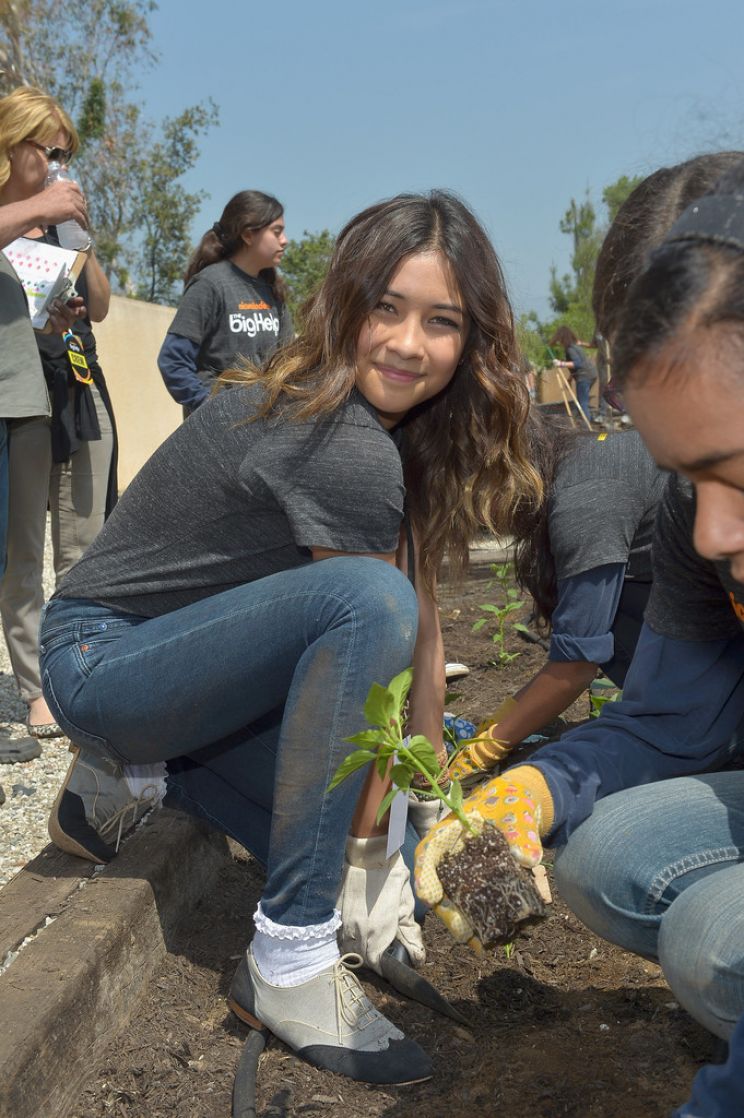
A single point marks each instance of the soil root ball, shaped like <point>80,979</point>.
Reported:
<point>495,894</point>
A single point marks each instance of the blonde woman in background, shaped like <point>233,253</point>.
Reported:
<point>66,462</point>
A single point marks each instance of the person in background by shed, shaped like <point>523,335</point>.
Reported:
<point>580,367</point>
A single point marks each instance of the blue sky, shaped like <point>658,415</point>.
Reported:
<point>518,105</point>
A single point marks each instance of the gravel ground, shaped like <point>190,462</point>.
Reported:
<point>30,788</point>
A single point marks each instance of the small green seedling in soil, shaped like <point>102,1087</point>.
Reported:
<point>499,613</point>
<point>509,949</point>
<point>385,746</point>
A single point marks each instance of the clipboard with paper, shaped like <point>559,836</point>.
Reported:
<point>47,272</point>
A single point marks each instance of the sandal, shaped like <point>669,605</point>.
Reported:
<point>45,730</point>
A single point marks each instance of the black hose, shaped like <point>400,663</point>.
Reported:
<point>244,1087</point>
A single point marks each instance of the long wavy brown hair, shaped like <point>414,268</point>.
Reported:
<point>465,454</point>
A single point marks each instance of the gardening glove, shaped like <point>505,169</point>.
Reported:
<point>515,804</point>
<point>376,903</point>
<point>484,752</point>
<point>424,812</point>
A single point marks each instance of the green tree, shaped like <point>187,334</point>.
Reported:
<point>530,340</point>
<point>615,194</point>
<point>580,223</point>
<point>163,210</point>
<point>571,294</point>
<point>89,58</point>
<point>304,264</point>
<point>62,46</point>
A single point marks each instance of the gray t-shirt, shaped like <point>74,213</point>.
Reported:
<point>225,501</point>
<point>23,390</point>
<point>230,314</point>
<point>692,598</point>
<point>603,506</point>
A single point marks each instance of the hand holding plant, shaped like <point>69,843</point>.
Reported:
<point>472,854</point>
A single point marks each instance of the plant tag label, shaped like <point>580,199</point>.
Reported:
<point>398,818</point>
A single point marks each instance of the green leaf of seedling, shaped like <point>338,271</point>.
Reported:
<point>401,775</point>
<point>369,739</point>
<point>478,625</point>
<point>520,627</point>
<point>511,606</point>
<point>379,707</point>
<point>384,756</point>
<point>399,688</point>
<point>455,795</point>
<point>350,764</point>
<point>425,755</point>
<point>512,593</point>
<point>462,744</point>
<point>490,608</point>
<point>386,802</point>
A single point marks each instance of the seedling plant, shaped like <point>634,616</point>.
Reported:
<point>402,759</point>
<point>510,602</point>
<point>482,879</point>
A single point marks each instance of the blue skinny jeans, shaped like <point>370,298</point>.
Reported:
<point>255,689</point>
<point>583,388</point>
<point>659,870</point>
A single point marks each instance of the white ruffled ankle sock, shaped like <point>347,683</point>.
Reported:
<point>287,955</point>
<point>146,778</point>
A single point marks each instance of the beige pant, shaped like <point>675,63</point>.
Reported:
<point>76,494</point>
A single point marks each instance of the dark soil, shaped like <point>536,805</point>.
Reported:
<point>497,896</point>
<point>563,1024</point>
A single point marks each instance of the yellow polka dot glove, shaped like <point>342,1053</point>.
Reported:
<point>518,804</point>
<point>484,752</point>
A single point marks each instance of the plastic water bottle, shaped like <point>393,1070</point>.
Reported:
<point>70,233</point>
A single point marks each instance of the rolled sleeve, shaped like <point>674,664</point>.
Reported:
<point>585,613</point>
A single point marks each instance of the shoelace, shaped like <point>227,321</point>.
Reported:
<point>148,798</point>
<point>352,1004</point>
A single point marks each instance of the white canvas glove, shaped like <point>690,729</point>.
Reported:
<point>376,903</point>
<point>425,813</point>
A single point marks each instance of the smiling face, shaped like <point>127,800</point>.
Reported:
<point>411,344</point>
<point>689,409</point>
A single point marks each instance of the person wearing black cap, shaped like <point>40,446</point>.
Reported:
<point>646,803</point>
<point>233,305</point>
